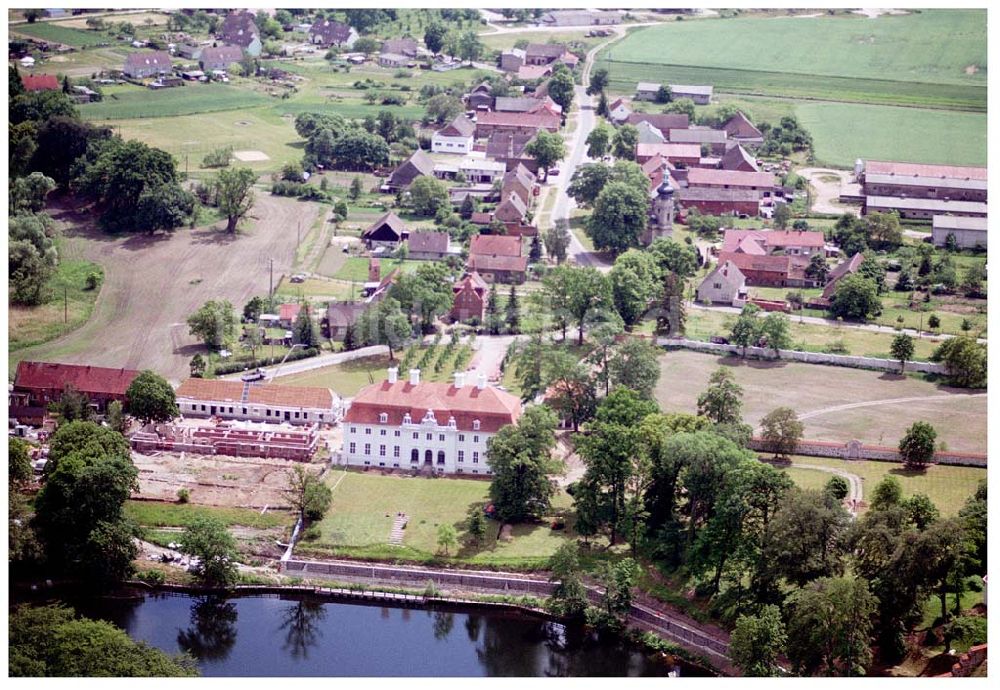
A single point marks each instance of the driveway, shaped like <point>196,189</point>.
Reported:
<point>490,351</point>
<point>828,192</point>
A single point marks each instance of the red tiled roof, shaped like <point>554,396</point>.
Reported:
<point>738,126</point>
<point>488,263</point>
<point>733,178</point>
<point>662,121</point>
<point>770,239</point>
<point>289,312</point>
<point>920,169</point>
<point>86,379</point>
<point>40,82</point>
<point>778,263</point>
<point>668,150</point>
<point>541,120</point>
<point>436,242</point>
<point>220,390</point>
<point>492,407</point>
<point>496,245</point>
<point>481,218</point>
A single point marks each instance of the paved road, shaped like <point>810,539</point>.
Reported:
<point>490,351</point>
<point>329,359</point>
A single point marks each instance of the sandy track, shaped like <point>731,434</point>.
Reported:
<point>152,284</point>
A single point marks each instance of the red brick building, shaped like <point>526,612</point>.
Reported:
<point>36,384</point>
<point>717,202</point>
<point>470,298</point>
<point>488,124</point>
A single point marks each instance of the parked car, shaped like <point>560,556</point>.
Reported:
<point>298,278</point>
<point>255,375</point>
<point>553,171</point>
<point>718,340</point>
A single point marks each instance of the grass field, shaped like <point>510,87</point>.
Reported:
<point>155,514</point>
<point>356,268</point>
<point>137,102</point>
<point>932,57</point>
<point>844,132</point>
<point>344,379</point>
<point>948,487</point>
<point>34,325</point>
<point>958,416</point>
<point>48,31</point>
<point>364,505</point>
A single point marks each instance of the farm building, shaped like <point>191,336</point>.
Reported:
<point>416,424</point>
<point>770,271</point>
<point>508,149</point>
<point>701,95</point>
<point>490,123</point>
<point>498,258</point>
<point>714,138</point>
<point>342,315</point>
<point>456,137</point>
<point>256,402</point>
<point>470,298</point>
<point>740,129</point>
<point>716,202</point>
<point>413,167</point>
<point>401,46</point>
<point>328,33</point>
<point>512,60</point>
<point>36,384</point>
<point>724,285</point>
<point>662,121</point>
<point>924,209</point>
<point>240,29</point>
<point>764,242</point>
<point>737,158</point>
<point>220,58</point>
<point>761,182</point>
<point>147,64</point>
<point>543,53</point>
<point>951,182</point>
<point>480,98</point>
<point>648,134</point>
<point>969,233</point>
<point>675,154</point>
<point>646,91</point>
<point>427,245</point>
<point>393,60</point>
<point>582,17</point>
<point>388,231</point>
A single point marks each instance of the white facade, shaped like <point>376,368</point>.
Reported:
<point>445,144</point>
<point>255,412</point>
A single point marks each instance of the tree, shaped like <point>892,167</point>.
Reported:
<point>782,431</point>
<point>27,194</point>
<point>619,218</point>
<point>598,81</point>
<point>837,487</point>
<point>556,240</point>
<point>384,324</point>
<point>598,141</point>
<point>513,312</point>
<point>775,329</point>
<point>624,141</point>
<point>634,279</point>
<point>873,270</point>
<point>477,525</point>
<point>214,323</point>
<point>782,214</point>
<point>428,195</point>
<point>561,87</point>
<point>972,284</point>
<point>602,108</point>
<point>197,366</point>
<point>757,642</point>
<point>587,292</point>
<point>635,366</point>
<point>50,641</point>
<point>234,190</point>
<point>304,329</point>
<point>917,446</point>
<point>356,189</point>
<point>921,511</point>
<point>19,470</point>
<point>32,258</point>
<point>548,148</point>
<point>965,359</point>
<point>902,349</point>
<point>434,36</point>
<point>722,401</point>
<point>469,46</point>
<point>830,627</point>
<point>151,399</point>
<point>206,539</point>
<point>425,294</point>
<point>888,493</point>
<point>806,538</point>
<point>447,537</point>
<point>569,598</point>
<point>673,256</point>
<point>520,460</point>
<point>116,418</point>
<point>39,106</point>
<point>746,331</point>
<point>443,108</point>
<point>618,579</point>
<point>569,386</point>
<point>493,323</point>
<point>856,298</point>
<point>308,495</point>
<point>73,405</point>
<point>884,231</point>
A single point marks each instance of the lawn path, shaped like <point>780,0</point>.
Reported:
<point>887,401</point>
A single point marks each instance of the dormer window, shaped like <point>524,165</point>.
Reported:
<point>475,425</point>
<point>407,419</point>
<point>451,422</point>
<point>383,418</point>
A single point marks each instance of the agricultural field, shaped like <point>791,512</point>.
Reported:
<point>947,486</point>
<point>365,504</point>
<point>49,31</point>
<point>844,132</point>
<point>834,403</point>
<point>131,102</point>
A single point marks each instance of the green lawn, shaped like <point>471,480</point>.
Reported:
<point>356,268</point>
<point>844,132</point>
<point>365,504</point>
<point>138,102</point>
<point>344,379</point>
<point>947,486</point>
<point>34,325</point>
<point>157,514</point>
<point>48,31</point>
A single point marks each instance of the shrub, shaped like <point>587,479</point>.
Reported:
<point>219,158</point>
<point>153,577</point>
<point>312,533</point>
<point>93,280</point>
<point>183,496</point>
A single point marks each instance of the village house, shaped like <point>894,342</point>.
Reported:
<point>490,123</point>
<point>401,46</point>
<point>40,82</point>
<point>189,51</point>
<point>240,29</point>
<point>256,402</point>
<point>498,258</point>
<point>38,384</point>
<point>220,58</point>
<point>969,233</point>
<point>715,139</point>
<point>388,231</point>
<point>676,154</point>
<point>841,271</point>
<point>456,137</point>
<point>520,182</point>
<point>288,313</point>
<point>726,284</point>
<point>763,242</point>
<point>413,167</point>
<point>737,158</point>
<point>740,129</point>
<point>701,95</point>
<point>393,60</point>
<point>509,149</point>
<point>761,182</point>
<point>923,209</point>
<point>415,424</point>
<point>619,111</point>
<point>543,53</point>
<point>711,201</point>
<point>511,209</point>
<point>342,315</point>
<point>429,246</point>
<point>480,98</point>
<point>147,64</point>
<point>525,104</point>
<point>512,60</point>
<point>329,33</point>
<point>481,170</point>
<point>662,121</point>
<point>470,298</point>
<point>648,134</point>
<point>777,270</point>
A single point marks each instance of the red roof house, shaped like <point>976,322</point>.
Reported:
<point>470,298</point>
<point>40,383</point>
<point>40,82</point>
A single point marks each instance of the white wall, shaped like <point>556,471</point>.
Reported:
<point>470,443</point>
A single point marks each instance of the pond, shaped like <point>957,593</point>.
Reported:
<point>302,636</point>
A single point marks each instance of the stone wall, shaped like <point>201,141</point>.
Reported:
<point>967,663</point>
<point>856,450</point>
<point>850,361</point>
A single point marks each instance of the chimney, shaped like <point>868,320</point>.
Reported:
<point>393,374</point>
<point>459,379</point>
<point>374,271</point>
<point>414,377</point>
<point>481,381</point>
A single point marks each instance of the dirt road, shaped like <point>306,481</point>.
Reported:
<point>153,283</point>
<point>828,192</point>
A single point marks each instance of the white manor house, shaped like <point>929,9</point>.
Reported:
<point>417,425</point>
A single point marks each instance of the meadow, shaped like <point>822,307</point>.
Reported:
<point>47,31</point>
<point>136,102</point>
